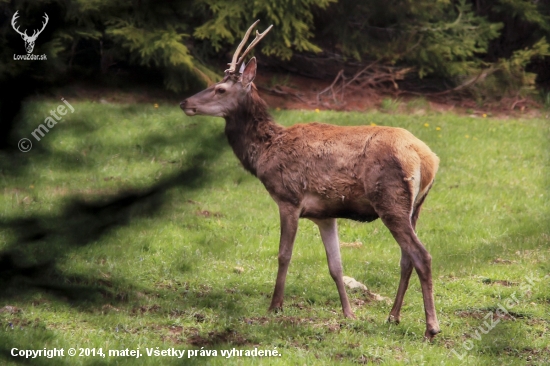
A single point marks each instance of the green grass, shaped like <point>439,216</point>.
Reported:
<point>390,105</point>
<point>419,105</point>
<point>123,226</point>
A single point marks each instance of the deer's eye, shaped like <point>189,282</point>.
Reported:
<point>220,90</point>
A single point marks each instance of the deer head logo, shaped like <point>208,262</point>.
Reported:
<point>29,40</point>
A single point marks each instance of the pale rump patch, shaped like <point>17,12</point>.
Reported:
<point>414,184</point>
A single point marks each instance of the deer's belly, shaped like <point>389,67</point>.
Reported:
<point>317,207</point>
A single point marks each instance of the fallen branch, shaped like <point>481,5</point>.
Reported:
<point>516,102</point>
<point>369,77</point>
<point>481,76</point>
<point>331,87</point>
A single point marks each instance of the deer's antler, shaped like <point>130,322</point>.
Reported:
<point>36,33</point>
<point>13,19</point>
<point>237,61</point>
<point>24,34</point>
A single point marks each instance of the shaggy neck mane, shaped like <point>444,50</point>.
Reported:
<point>250,130</point>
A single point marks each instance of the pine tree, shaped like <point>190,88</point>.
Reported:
<point>187,40</point>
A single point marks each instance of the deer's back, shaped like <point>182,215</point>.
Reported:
<point>323,166</point>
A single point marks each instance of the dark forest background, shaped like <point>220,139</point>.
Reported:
<point>485,49</point>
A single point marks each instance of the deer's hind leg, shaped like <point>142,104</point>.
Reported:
<point>406,270</point>
<point>392,199</point>
<point>417,257</point>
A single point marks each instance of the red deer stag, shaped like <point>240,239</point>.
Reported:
<point>322,172</point>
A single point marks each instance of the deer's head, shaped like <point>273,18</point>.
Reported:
<point>225,96</point>
<point>29,40</point>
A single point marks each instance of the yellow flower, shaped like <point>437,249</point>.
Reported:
<point>316,110</point>
<point>475,138</point>
<point>277,109</point>
<point>426,125</point>
<point>373,124</point>
<point>438,128</point>
<point>467,136</point>
<point>31,186</point>
<point>484,115</point>
<point>156,105</point>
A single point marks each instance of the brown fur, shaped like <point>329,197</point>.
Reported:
<point>321,168</point>
<point>323,172</point>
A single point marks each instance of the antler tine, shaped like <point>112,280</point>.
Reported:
<point>13,19</point>
<point>233,64</point>
<point>254,42</point>
<point>46,18</point>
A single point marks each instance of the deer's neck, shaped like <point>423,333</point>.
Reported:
<point>250,130</point>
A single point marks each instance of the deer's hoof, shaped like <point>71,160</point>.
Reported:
<point>394,319</point>
<point>350,315</point>
<point>431,333</point>
<point>275,309</point>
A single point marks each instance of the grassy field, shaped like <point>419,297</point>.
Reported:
<point>130,226</point>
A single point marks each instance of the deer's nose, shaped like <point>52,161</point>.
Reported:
<point>183,103</point>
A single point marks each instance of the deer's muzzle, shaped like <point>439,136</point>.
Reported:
<point>186,109</point>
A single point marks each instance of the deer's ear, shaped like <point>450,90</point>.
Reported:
<point>249,72</point>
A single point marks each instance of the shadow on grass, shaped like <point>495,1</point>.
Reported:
<point>43,240</point>
<point>30,263</point>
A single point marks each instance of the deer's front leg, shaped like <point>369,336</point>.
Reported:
<point>289,226</point>
<point>329,235</point>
